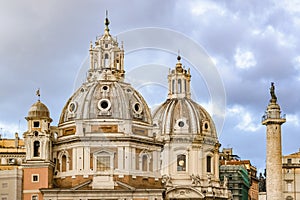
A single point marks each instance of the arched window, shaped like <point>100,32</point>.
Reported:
<point>208,164</point>
<point>118,64</point>
<point>106,60</point>
<point>36,149</point>
<point>179,85</point>
<point>64,163</point>
<point>145,162</point>
<point>173,86</point>
<point>181,162</point>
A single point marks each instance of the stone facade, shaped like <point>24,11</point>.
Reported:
<point>11,183</point>
<point>291,176</point>
<point>12,154</point>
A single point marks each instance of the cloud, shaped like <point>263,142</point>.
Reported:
<point>244,59</point>
<point>296,62</point>
<point>244,119</point>
<point>199,8</point>
<point>293,119</point>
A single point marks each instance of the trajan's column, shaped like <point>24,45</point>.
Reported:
<point>273,120</point>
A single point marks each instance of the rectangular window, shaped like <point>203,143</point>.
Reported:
<point>103,163</point>
<point>289,187</point>
<point>35,178</point>
<point>289,161</point>
<point>36,124</point>
<point>208,164</point>
<point>145,163</point>
<point>4,185</point>
<point>3,198</point>
<point>181,162</point>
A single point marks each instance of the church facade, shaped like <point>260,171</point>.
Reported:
<point>108,144</point>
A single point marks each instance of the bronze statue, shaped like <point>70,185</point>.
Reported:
<point>272,92</point>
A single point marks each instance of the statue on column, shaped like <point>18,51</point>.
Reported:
<point>272,92</point>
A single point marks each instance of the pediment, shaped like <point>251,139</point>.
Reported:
<point>184,193</point>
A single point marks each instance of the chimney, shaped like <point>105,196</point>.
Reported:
<point>16,140</point>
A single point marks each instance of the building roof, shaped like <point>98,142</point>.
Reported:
<point>11,143</point>
<point>293,155</point>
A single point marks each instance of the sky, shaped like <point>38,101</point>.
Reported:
<point>44,44</point>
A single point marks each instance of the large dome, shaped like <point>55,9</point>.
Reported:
<point>183,116</point>
<point>106,100</point>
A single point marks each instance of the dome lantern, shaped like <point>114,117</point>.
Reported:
<point>106,58</point>
<point>179,81</point>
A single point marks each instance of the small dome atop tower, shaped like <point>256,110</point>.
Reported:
<point>38,110</point>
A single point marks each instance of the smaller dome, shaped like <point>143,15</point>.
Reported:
<point>38,110</point>
<point>183,116</point>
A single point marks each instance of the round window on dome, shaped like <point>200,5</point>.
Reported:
<point>104,104</point>
<point>137,108</point>
<point>181,124</point>
<point>72,107</point>
<point>105,88</point>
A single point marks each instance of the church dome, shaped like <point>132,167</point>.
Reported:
<point>38,110</point>
<point>179,114</point>
<point>104,95</point>
<point>106,100</point>
<point>183,116</point>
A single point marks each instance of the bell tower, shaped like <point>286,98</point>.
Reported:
<point>273,120</point>
<point>38,166</point>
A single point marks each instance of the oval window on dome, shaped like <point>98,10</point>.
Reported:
<point>104,104</point>
<point>181,124</point>
<point>137,108</point>
<point>72,107</point>
<point>206,125</point>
